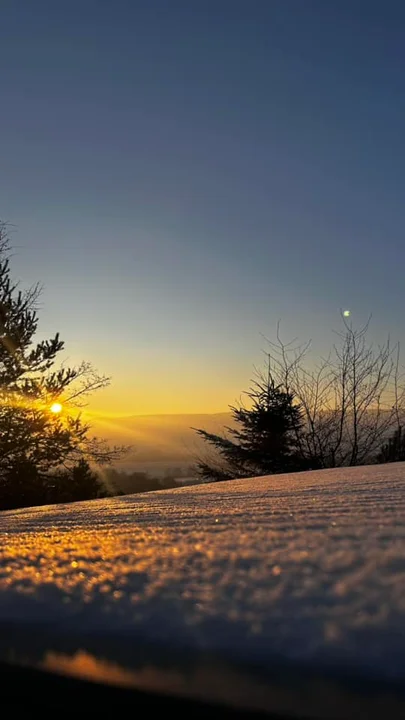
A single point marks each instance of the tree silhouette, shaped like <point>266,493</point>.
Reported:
<point>352,400</point>
<point>22,485</point>
<point>81,483</point>
<point>34,442</point>
<point>265,439</point>
<point>394,449</point>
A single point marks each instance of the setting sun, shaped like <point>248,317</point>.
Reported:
<point>56,408</point>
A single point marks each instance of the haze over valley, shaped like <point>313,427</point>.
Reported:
<point>159,443</point>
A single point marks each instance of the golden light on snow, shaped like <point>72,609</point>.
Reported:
<point>56,408</point>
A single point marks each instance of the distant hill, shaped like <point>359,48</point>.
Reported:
<point>159,441</point>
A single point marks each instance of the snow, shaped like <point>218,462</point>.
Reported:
<point>306,568</point>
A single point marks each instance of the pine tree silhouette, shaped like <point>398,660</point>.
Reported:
<point>34,442</point>
<point>394,449</point>
<point>265,439</point>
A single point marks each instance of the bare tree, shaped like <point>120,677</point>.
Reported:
<point>351,400</point>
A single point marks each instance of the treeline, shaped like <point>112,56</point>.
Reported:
<point>25,486</point>
<point>124,483</point>
<point>345,410</point>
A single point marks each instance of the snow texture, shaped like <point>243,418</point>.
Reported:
<point>308,568</point>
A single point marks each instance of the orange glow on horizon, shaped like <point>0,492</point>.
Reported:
<point>118,401</point>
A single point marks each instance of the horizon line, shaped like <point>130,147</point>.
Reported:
<point>119,416</point>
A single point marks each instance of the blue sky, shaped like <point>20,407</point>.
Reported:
<point>183,174</point>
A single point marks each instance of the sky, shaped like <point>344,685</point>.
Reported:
<point>181,175</point>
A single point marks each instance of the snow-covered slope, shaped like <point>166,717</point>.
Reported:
<point>305,569</point>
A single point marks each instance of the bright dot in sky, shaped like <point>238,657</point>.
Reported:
<point>56,407</point>
<point>346,313</point>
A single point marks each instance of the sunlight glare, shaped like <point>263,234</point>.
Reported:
<point>56,407</point>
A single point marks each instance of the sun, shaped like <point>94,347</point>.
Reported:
<point>56,408</point>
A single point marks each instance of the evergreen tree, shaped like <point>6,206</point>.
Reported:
<point>22,485</point>
<point>81,483</point>
<point>36,443</point>
<point>394,449</point>
<point>265,438</point>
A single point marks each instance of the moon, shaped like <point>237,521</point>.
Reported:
<point>346,313</point>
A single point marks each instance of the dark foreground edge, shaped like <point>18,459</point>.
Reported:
<point>30,690</point>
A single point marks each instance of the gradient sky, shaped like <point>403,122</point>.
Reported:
<point>181,174</point>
